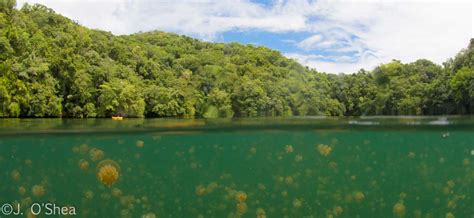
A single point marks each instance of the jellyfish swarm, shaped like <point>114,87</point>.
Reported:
<point>108,172</point>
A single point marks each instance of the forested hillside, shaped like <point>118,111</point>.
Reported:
<point>52,67</point>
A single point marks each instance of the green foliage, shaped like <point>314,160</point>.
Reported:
<point>52,67</point>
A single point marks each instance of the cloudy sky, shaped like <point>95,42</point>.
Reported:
<point>331,36</point>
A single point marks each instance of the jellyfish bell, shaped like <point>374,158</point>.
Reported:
<point>83,164</point>
<point>108,172</point>
<point>96,154</point>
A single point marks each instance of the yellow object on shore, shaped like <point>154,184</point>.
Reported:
<point>117,118</point>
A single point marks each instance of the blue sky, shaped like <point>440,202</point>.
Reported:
<point>331,36</point>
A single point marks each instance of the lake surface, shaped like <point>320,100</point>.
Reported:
<point>293,167</point>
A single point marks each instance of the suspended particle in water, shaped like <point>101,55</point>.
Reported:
<point>21,190</point>
<point>289,148</point>
<point>449,215</point>
<point>16,175</point>
<point>140,144</point>
<point>411,155</point>
<point>353,177</point>
<point>108,172</point>
<point>38,190</point>
<point>324,150</point>
<point>261,213</point>
<point>284,193</point>
<point>399,209</point>
<point>96,154</point>
<point>240,196</point>
<point>83,164</point>
<point>472,152</point>
<point>359,196</point>
<point>297,203</point>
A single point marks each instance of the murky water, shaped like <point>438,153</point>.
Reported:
<point>304,167</point>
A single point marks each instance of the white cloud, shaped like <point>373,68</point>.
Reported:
<point>345,35</point>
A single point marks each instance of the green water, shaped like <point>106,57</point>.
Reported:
<point>371,167</point>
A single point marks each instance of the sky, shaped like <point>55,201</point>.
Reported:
<point>334,36</point>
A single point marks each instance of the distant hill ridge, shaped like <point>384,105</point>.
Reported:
<point>52,67</point>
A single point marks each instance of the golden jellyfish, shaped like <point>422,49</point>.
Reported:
<point>21,190</point>
<point>240,196</point>
<point>140,144</point>
<point>242,208</point>
<point>15,175</point>
<point>298,158</point>
<point>38,190</point>
<point>96,154</point>
<point>359,196</point>
<point>89,194</point>
<point>324,150</point>
<point>449,215</point>
<point>289,148</point>
<point>116,192</point>
<point>399,209</point>
<point>108,172</point>
<point>83,164</point>
<point>261,213</point>
<point>200,190</point>
<point>83,148</point>
<point>297,203</point>
<point>337,210</point>
<point>28,162</point>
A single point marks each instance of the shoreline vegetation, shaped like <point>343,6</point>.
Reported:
<point>51,66</point>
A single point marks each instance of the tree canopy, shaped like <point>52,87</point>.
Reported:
<point>52,67</point>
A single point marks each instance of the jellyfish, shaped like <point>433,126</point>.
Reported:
<point>201,190</point>
<point>38,190</point>
<point>289,148</point>
<point>116,192</point>
<point>337,210</point>
<point>298,158</point>
<point>297,203</point>
<point>240,196</point>
<point>108,172</point>
<point>261,213</point>
<point>83,148</point>
<point>242,208</point>
<point>96,154</point>
<point>324,150</point>
<point>83,164</point>
<point>359,196</point>
<point>140,144</point>
<point>21,190</point>
<point>399,209</point>
<point>15,175</point>
<point>89,194</point>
